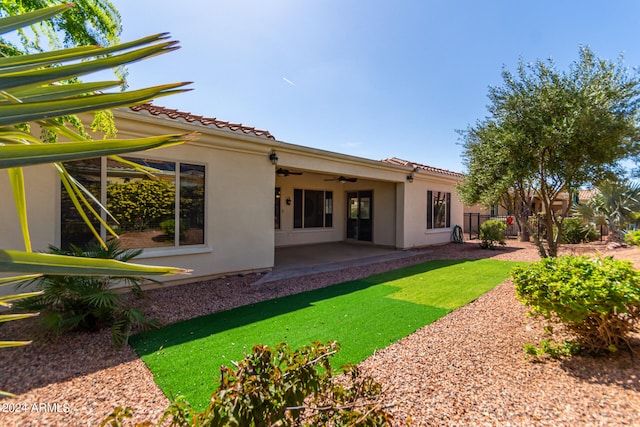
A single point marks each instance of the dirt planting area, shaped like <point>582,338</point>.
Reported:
<point>467,368</point>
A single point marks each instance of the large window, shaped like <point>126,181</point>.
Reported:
<point>160,208</point>
<point>438,209</point>
<point>312,208</point>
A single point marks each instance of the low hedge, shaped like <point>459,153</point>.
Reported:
<point>597,299</point>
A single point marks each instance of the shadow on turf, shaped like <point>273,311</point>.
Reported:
<point>178,333</point>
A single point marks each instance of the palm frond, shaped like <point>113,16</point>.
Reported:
<point>104,299</point>
<point>6,299</point>
<point>28,262</point>
<point>43,73</point>
<point>12,23</point>
<point>12,156</point>
<point>16,177</point>
<point>6,344</point>
<point>48,59</point>
<point>5,281</point>
<point>11,114</point>
<point>53,92</point>
<point>10,317</point>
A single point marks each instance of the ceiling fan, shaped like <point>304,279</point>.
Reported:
<point>286,172</point>
<point>342,179</point>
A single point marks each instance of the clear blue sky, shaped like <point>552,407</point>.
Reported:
<point>374,79</point>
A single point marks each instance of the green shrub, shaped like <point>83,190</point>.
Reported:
<point>632,237</point>
<point>139,205</point>
<point>574,231</point>
<point>550,348</point>
<point>493,231</point>
<point>282,387</point>
<point>596,299</point>
<point>88,303</point>
<point>168,227</point>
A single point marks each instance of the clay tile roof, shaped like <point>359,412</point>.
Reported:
<point>156,110</point>
<point>400,162</point>
<point>585,195</point>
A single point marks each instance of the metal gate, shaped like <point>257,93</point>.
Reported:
<point>473,221</point>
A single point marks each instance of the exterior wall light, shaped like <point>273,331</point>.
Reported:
<point>273,157</point>
<point>410,177</point>
<point>288,201</point>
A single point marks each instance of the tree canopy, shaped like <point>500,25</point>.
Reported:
<point>548,133</point>
<point>88,23</point>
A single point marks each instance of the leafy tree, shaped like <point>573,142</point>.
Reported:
<point>89,22</point>
<point>615,206</point>
<point>86,23</point>
<point>551,132</point>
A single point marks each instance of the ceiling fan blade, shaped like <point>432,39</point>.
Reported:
<point>286,172</point>
<point>342,179</point>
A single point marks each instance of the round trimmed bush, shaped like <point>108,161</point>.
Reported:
<point>597,299</point>
<point>493,231</point>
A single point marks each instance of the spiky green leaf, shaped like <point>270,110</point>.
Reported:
<point>26,262</point>
<point>6,281</point>
<point>21,113</point>
<point>14,79</point>
<point>46,93</point>
<point>10,317</point>
<point>12,156</point>
<point>12,23</point>
<point>16,177</point>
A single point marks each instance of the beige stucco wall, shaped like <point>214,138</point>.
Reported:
<point>41,195</point>
<point>384,211</point>
<point>413,200</point>
<point>239,197</point>
<point>239,201</point>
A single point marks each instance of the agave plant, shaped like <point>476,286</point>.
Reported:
<point>35,88</point>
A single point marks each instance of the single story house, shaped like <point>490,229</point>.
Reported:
<point>223,203</point>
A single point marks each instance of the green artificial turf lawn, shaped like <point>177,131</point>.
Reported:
<point>363,315</point>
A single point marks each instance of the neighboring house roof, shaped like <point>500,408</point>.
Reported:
<point>418,166</point>
<point>586,195</point>
<point>156,110</point>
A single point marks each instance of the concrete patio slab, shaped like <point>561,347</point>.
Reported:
<point>296,261</point>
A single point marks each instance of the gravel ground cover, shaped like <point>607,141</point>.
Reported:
<point>467,368</point>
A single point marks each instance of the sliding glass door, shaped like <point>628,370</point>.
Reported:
<point>360,215</point>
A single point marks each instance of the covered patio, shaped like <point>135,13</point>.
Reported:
<point>296,261</point>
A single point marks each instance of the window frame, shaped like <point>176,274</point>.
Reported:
<point>432,214</point>
<point>300,206</point>
<point>177,209</point>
